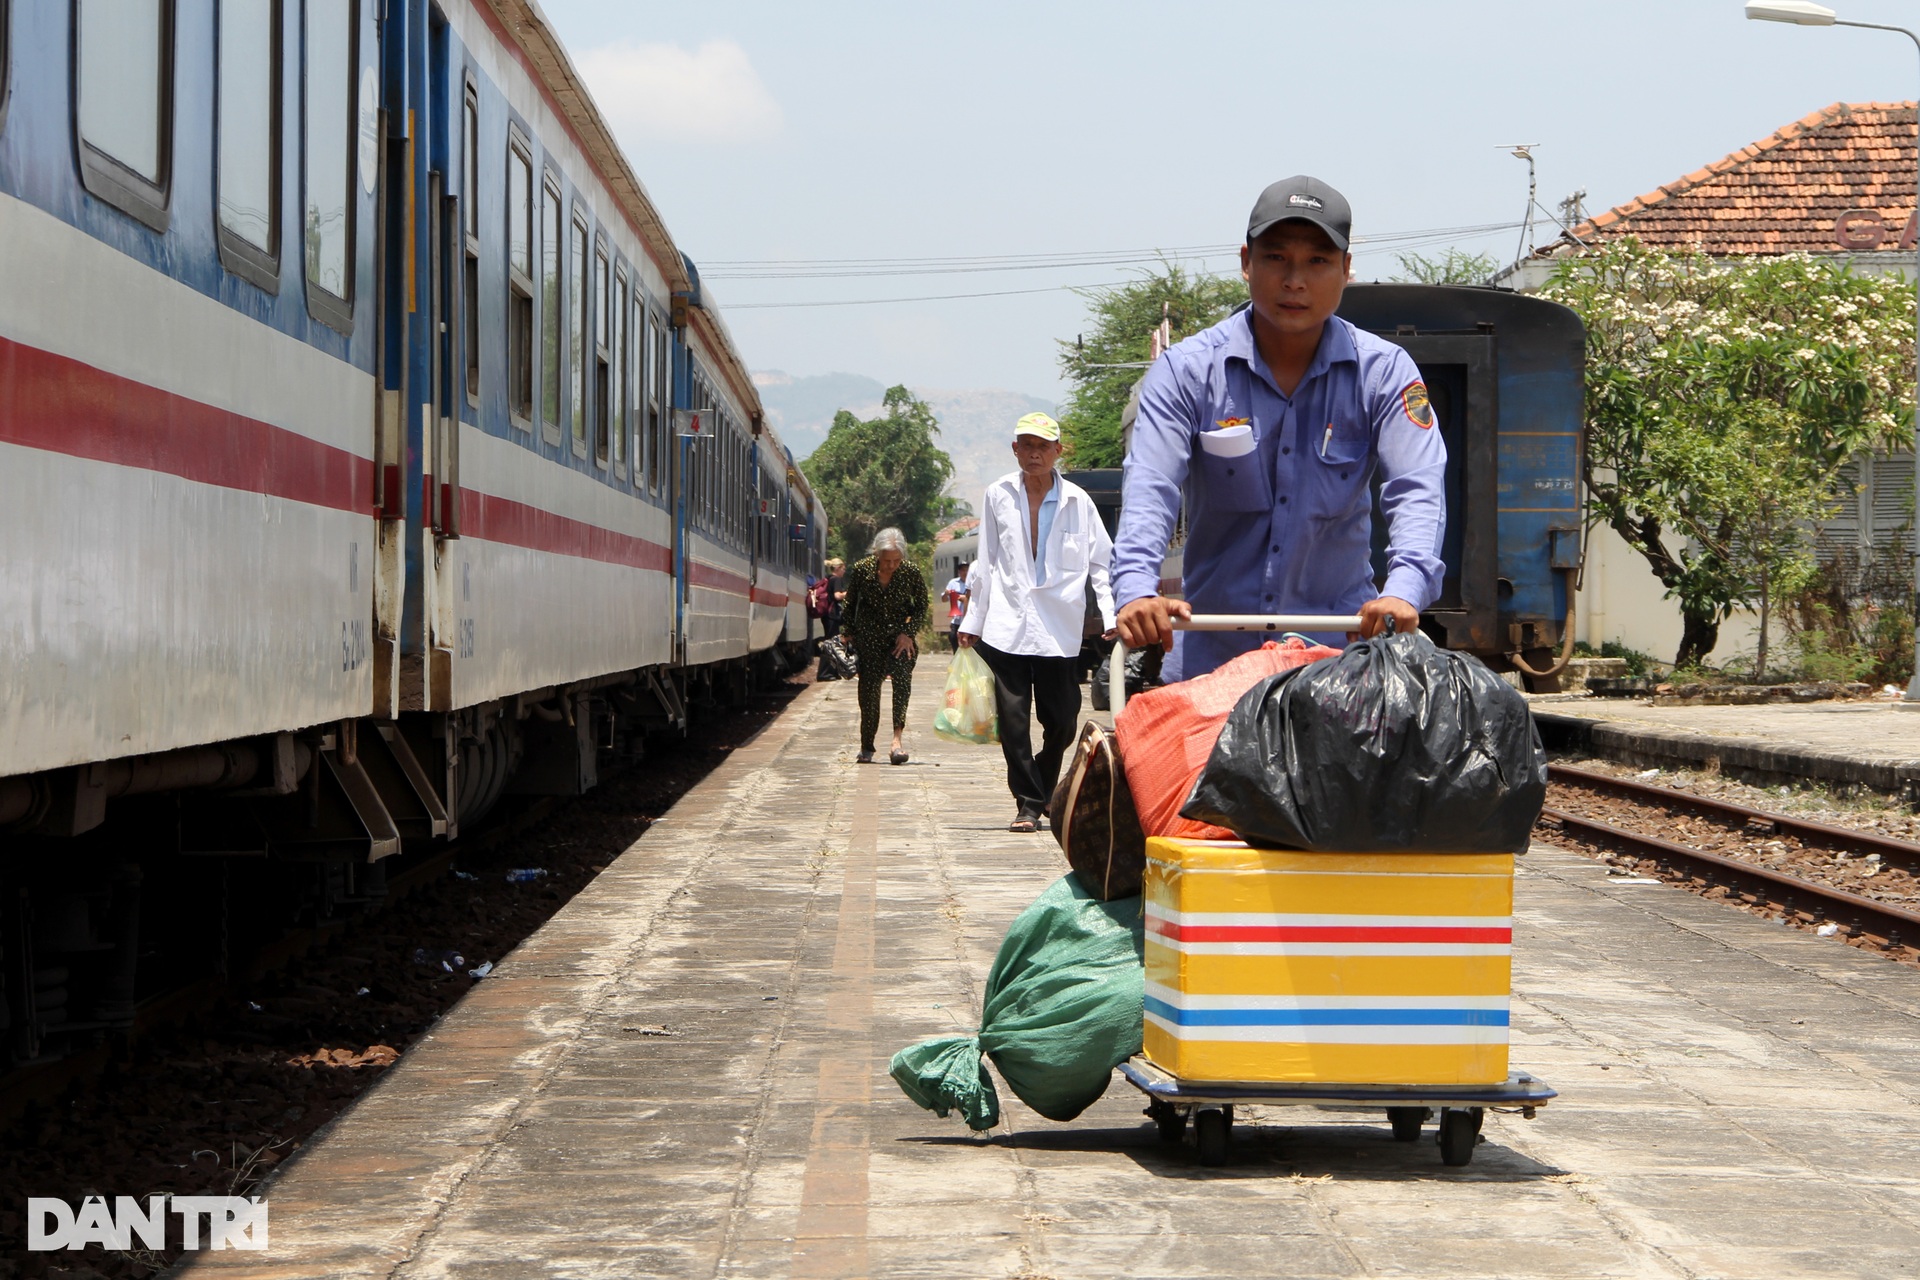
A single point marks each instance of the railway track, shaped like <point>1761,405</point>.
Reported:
<point>1864,920</point>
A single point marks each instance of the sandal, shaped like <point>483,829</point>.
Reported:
<point>897,757</point>
<point>1024,824</point>
<point>865,757</point>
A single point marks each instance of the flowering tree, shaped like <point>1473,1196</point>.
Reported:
<point>1723,396</point>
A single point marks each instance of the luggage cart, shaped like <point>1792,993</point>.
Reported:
<point>1208,1104</point>
<point>1276,623</point>
<point>1173,1103</point>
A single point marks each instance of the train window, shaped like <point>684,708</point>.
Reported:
<point>651,368</point>
<point>330,131</point>
<point>519,283</point>
<point>249,140</point>
<point>329,128</point>
<point>619,343</point>
<point>470,229</point>
<point>123,94</point>
<point>663,446</point>
<point>550,310</point>
<point>579,327</point>
<point>601,377</point>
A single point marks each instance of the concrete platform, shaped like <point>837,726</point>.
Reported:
<point>683,1075</point>
<point>1868,744</point>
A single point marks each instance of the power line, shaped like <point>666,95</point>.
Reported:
<point>1377,244</point>
<point>852,268</point>
<point>932,297</point>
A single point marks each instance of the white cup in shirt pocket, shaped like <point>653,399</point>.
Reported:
<point>1228,442</point>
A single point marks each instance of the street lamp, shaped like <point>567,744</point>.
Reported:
<point>1803,13</point>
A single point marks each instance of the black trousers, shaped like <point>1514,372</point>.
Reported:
<point>1050,687</point>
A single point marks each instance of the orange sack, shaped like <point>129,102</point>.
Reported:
<point>1165,735</point>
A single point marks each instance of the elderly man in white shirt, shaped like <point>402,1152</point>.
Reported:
<point>1041,542</point>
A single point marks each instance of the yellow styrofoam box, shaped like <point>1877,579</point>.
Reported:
<point>1349,968</point>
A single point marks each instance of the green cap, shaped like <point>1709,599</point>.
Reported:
<point>1037,424</point>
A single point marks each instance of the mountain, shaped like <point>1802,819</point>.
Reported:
<point>976,426</point>
<point>801,409</point>
<point>976,430</point>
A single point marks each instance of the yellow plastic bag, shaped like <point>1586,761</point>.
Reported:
<point>967,712</point>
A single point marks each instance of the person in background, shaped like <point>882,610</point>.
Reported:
<point>819,603</point>
<point>834,582</point>
<point>886,607</point>
<point>1041,542</point>
<point>955,594</point>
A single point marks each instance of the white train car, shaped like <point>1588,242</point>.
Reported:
<point>341,354</point>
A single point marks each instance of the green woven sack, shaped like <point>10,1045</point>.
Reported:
<point>1065,1002</point>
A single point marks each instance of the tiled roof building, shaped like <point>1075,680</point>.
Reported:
<point>1838,181</point>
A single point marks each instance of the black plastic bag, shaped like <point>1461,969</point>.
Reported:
<point>1393,745</point>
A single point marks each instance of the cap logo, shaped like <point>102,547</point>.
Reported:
<point>1305,202</point>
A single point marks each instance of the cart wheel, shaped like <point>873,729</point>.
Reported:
<point>1172,1121</point>
<point>1211,1132</point>
<point>1459,1130</point>
<point>1406,1122</point>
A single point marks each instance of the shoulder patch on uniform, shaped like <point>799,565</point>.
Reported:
<point>1419,409</point>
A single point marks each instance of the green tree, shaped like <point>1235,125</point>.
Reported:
<point>1722,399</point>
<point>1455,266</point>
<point>881,472</point>
<point>1105,363</point>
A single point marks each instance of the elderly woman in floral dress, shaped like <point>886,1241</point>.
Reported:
<point>886,607</point>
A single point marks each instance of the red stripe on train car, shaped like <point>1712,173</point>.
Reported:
<point>496,519</point>
<point>1324,933</point>
<point>61,405</point>
<point>717,579</point>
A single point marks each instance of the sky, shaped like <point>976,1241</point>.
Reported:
<point>769,131</point>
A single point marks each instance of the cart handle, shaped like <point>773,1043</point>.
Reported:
<point>1117,662</point>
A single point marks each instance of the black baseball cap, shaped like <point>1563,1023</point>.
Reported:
<point>1307,200</point>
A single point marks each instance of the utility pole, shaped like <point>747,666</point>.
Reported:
<point>1524,151</point>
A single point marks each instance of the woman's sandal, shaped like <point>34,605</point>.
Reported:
<point>865,757</point>
<point>897,757</point>
<point>1024,825</point>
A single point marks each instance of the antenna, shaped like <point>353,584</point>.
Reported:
<point>1524,151</point>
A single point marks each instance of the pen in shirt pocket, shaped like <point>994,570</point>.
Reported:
<point>1326,440</point>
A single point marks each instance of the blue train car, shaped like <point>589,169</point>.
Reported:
<point>1506,375</point>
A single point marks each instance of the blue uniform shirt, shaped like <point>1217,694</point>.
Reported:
<point>1049,505</point>
<point>1285,528</point>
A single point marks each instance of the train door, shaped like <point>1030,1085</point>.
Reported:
<point>450,571</point>
<point>390,421</point>
<point>1460,370</point>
